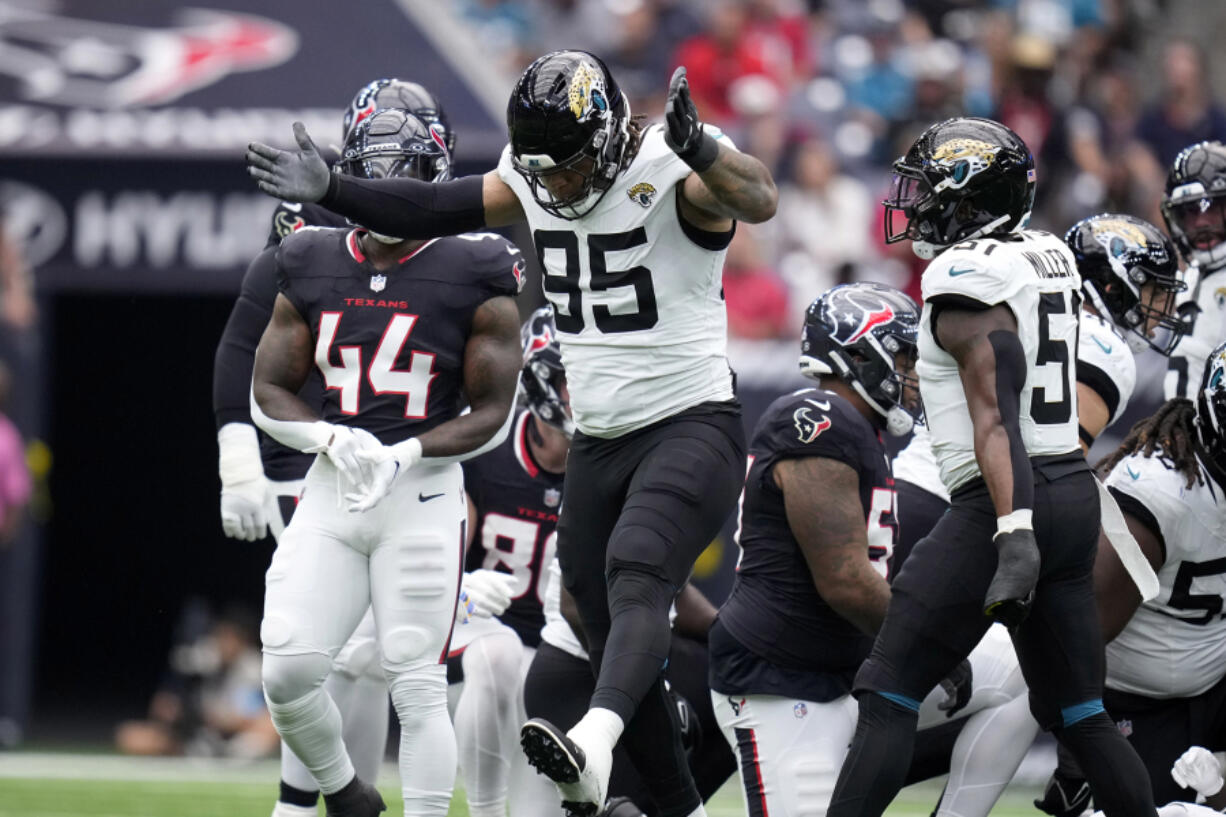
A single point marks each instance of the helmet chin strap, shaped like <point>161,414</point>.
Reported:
<point>1210,259</point>
<point>928,250</point>
<point>898,421</point>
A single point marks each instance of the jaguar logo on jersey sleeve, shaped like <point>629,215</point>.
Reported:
<point>642,193</point>
<point>807,428</point>
<point>586,93</point>
<point>965,159</point>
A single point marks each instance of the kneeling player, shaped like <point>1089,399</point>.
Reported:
<point>514,493</point>
<point>817,532</point>
<point>392,385</point>
<point>1166,658</point>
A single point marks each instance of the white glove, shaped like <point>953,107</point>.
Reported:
<point>243,486</point>
<point>484,594</point>
<point>342,449</point>
<point>385,463</point>
<point>1198,769</point>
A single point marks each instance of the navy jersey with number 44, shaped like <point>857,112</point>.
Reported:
<point>389,344</point>
<point>517,505</point>
<point>774,613</point>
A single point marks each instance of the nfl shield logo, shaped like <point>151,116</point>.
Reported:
<point>552,497</point>
<point>377,283</point>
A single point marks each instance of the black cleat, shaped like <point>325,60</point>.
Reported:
<point>357,799</point>
<point>563,761</point>
<point>1064,796</point>
<point>1011,592</point>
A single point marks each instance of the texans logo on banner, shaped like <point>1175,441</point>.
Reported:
<point>74,61</point>
<point>807,428</point>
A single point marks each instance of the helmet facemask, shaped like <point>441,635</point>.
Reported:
<point>596,164</point>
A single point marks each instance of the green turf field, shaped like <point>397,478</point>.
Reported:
<point>87,786</point>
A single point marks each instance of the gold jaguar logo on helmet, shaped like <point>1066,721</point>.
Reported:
<point>586,93</point>
<point>1106,228</point>
<point>965,159</point>
<point>642,193</point>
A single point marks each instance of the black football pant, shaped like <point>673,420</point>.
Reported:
<point>935,619</point>
<point>638,510</point>
<point>559,686</point>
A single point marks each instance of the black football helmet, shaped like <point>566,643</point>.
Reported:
<point>394,142</point>
<point>962,178</point>
<point>853,332</point>
<point>542,375</point>
<point>407,96</point>
<point>568,114</point>
<point>1194,204</point>
<point>1116,256</point>
<point>1211,408</point>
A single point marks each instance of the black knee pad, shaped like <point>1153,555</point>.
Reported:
<point>637,585</point>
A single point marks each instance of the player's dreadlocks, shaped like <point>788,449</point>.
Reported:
<point>634,131</point>
<point>1171,428</point>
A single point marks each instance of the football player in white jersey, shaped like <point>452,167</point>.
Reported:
<point>998,339</point>
<point>1194,208</point>
<point>1166,660</point>
<point>631,225</point>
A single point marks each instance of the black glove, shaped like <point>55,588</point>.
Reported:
<point>683,132</point>
<point>958,686</point>
<point>293,176</point>
<point>1017,572</point>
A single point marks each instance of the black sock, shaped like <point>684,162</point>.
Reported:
<point>1117,776</point>
<point>636,650</point>
<point>878,760</point>
<point>653,742</point>
<point>297,797</point>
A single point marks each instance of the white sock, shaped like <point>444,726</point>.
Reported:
<point>599,727</point>
<point>311,726</point>
<point>427,740</point>
<point>362,702</point>
<point>986,754</point>
<point>290,810</point>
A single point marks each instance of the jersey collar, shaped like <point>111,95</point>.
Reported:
<point>355,249</point>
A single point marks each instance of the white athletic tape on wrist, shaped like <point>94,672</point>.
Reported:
<point>238,454</point>
<point>305,436</point>
<point>407,452</point>
<point>1126,547</point>
<point>1017,520</point>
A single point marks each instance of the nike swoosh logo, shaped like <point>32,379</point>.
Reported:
<point>292,206</point>
<point>1131,472</point>
<point>1106,349</point>
<point>425,498</point>
<point>819,404</point>
<point>954,273</point>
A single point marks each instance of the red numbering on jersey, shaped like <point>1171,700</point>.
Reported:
<point>345,375</point>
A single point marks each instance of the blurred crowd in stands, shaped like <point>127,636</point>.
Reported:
<point>830,92</point>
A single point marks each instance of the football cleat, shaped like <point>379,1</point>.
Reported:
<point>1064,796</point>
<point>357,799</point>
<point>582,779</point>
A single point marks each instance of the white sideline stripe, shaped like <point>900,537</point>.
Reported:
<point>452,41</point>
<point>56,766</point>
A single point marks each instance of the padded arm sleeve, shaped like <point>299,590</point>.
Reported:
<point>409,208</point>
<point>1010,378</point>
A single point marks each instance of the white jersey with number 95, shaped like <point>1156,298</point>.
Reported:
<point>1034,274</point>
<point>637,295</point>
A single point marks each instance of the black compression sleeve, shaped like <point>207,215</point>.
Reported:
<point>409,208</point>
<point>1010,378</point>
<point>235,357</point>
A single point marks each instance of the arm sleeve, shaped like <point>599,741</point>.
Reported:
<point>235,356</point>
<point>1010,378</point>
<point>409,208</point>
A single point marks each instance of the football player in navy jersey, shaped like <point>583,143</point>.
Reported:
<point>398,330</point>
<point>631,225</point>
<point>261,479</point>
<point>514,493</point>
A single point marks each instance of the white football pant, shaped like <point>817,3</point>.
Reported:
<point>790,751</point>
<point>402,559</point>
